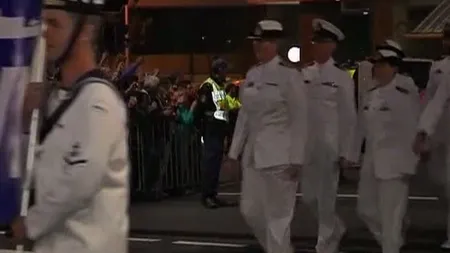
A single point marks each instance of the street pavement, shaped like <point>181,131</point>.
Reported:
<point>182,225</point>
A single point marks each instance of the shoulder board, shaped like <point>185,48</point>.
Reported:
<point>402,90</point>
<point>373,88</point>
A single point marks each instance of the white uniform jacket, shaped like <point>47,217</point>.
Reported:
<point>438,71</point>
<point>331,109</point>
<point>436,108</point>
<point>271,128</point>
<point>388,120</point>
<point>81,178</point>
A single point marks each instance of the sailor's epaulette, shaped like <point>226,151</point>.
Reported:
<point>402,90</point>
<point>372,89</point>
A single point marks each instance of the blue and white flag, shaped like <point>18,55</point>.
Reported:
<point>20,26</point>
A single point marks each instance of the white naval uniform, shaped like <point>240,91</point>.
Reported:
<point>435,121</point>
<point>81,178</point>
<point>388,120</point>
<point>333,121</point>
<point>270,133</point>
<point>437,168</point>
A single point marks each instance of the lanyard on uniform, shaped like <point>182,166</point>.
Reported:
<point>51,121</point>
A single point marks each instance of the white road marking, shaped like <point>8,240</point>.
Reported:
<point>345,196</point>
<point>13,251</point>
<point>139,239</point>
<point>210,244</point>
<point>131,239</point>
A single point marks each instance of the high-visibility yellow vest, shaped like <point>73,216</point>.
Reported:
<point>233,103</point>
<point>351,72</point>
<point>220,100</point>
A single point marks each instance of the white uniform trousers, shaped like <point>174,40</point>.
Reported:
<point>267,204</point>
<point>439,172</point>
<point>382,205</point>
<point>320,181</point>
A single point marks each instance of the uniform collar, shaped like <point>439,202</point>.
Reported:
<point>274,62</point>
<point>391,83</point>
<point>330,62</point>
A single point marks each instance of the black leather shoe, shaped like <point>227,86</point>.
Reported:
<point>210,203</point>
<point>223,203</point>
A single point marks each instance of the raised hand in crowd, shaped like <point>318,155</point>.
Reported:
<point>132,102</point>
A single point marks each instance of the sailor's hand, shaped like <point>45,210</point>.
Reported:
<point>421,145</point>
<point>132,102</point>
<point>344,163</point>
<point>232,166</point>
<point>19,230</point>
<point>294,172</point>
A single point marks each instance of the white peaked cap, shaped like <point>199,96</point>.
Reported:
<point>320,24</point>
<point>267,29</point>
<point>393,44</point>
<point>270,25</point>
<point>385,53</point>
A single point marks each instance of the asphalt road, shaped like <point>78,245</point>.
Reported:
<point>182,225</point>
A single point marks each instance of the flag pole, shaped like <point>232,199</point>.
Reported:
<point>127,34</point>
<point>36,76</point>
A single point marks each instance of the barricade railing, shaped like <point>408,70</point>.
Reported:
<point>165,156</point>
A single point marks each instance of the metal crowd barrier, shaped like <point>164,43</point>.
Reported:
<point>165,157</point>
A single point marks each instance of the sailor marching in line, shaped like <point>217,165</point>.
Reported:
<point>271,134</point>
<point>332,120</point>
<point>388,118</point>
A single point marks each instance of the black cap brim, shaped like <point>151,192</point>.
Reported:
<point>267,35</point>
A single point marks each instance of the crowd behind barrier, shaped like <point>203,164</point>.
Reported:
<point>165,143</point>
<point>165,156</point>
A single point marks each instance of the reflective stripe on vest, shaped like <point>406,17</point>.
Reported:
<point>219,100</point>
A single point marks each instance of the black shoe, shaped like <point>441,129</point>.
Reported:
<point>223,203</point>
<point>210,203</point>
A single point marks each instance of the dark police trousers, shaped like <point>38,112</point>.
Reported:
<point>213,146</point>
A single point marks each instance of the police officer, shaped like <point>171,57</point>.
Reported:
<point>333,122</point>
<point>213,110</point>
<point>433,138</point>
<point>81,166</point>
<point>270,134</point>
<point>389,115</point>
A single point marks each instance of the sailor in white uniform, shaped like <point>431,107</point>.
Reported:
<point>434,137</point>
<point>388,118</point>
<point>332,122</point>
<point>270,134</point>
<point>81,166</point>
